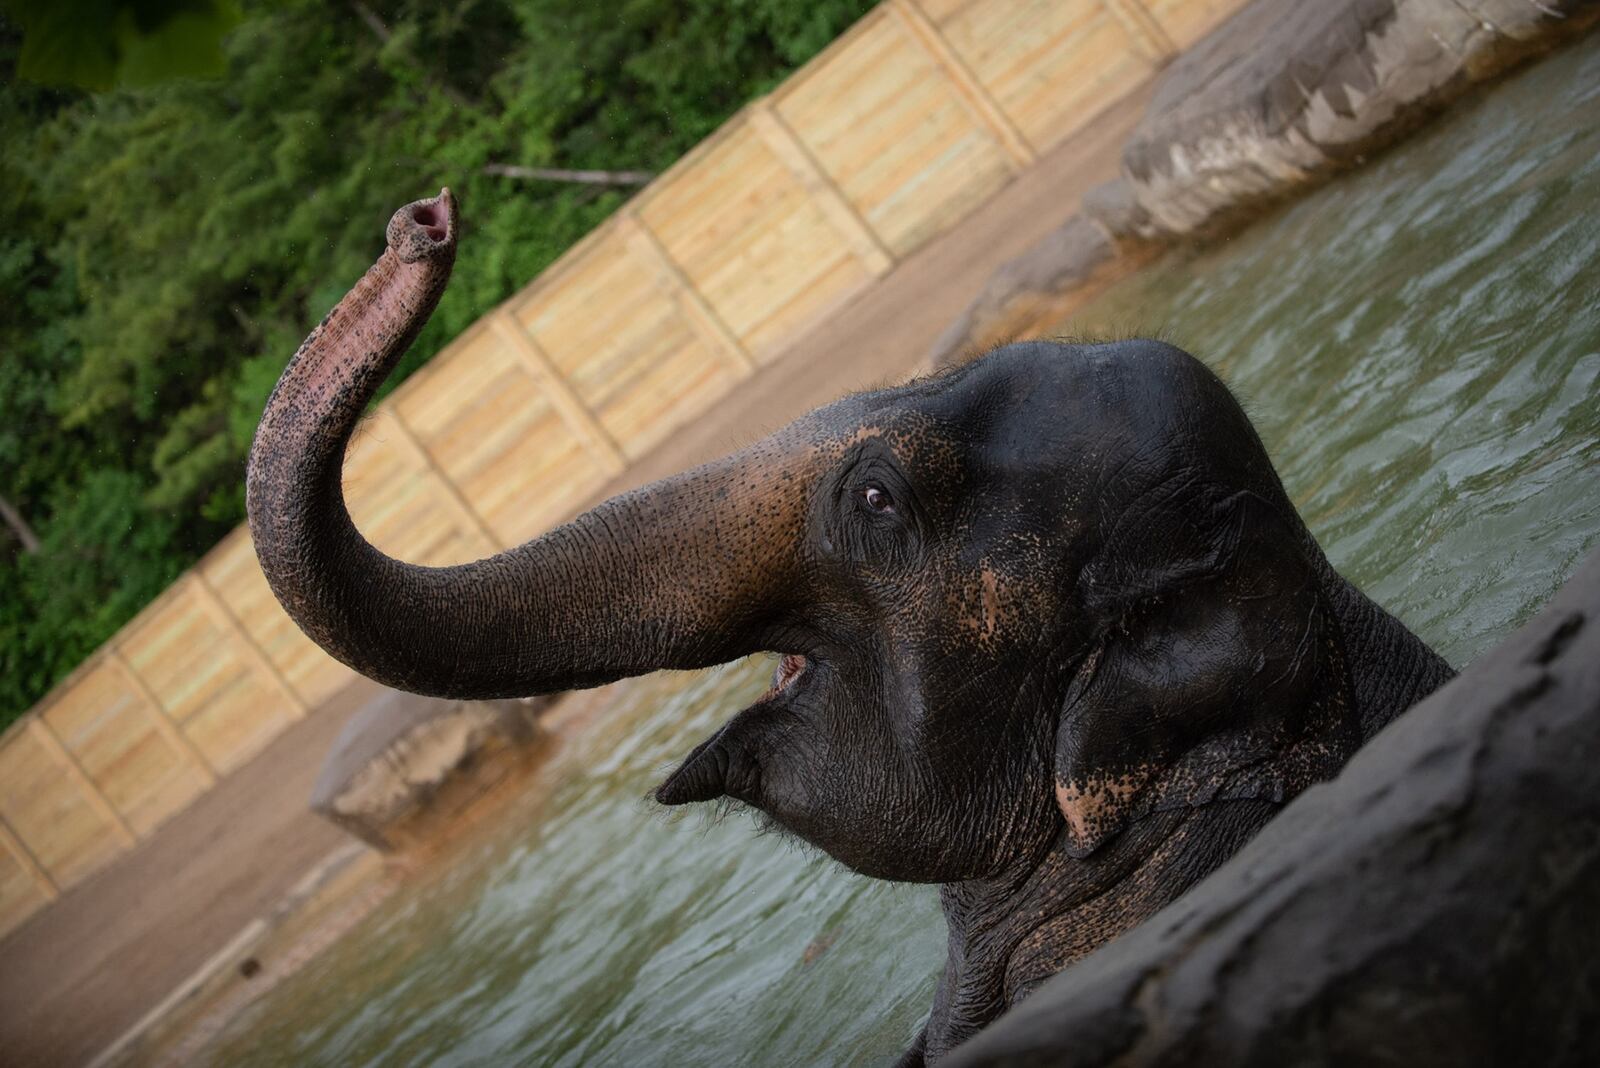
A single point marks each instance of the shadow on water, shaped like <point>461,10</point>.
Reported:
<point>1419,344</point>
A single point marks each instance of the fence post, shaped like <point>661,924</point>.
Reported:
<point>671,280</point>
<point>972,92</point>
<point>559,391</point>
<point>28,862</point>
<point>458,501</point>
<point>1142,26</point>
<point>68,763</point>
<point>223,616</point>
<point>784,143</point>
<point>158,717</point>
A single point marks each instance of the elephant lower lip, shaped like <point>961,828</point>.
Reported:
<point>790,667</point>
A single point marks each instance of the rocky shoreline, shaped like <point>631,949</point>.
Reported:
<point>1279,98</point>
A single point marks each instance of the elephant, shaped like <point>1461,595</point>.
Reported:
<point>1050,633</point>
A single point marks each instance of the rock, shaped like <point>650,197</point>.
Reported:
<point>399,751</point>
<point>1436,904</point>
<point>1114,207</point>
<point>1285,93</point>
<point>1062,260</point>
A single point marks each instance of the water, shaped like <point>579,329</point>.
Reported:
<point>1420,346</point>
<point>594,928</point>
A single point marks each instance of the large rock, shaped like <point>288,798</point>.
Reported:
<point>400,752</point>
<point>1287,92</point>
<point>1436,904</point>
<point>1064,259</point>
<point>1283,94</point>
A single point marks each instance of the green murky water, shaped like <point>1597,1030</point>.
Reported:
<point>1420,345</point>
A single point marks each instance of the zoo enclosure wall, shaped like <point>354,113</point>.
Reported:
<point>893,134</point>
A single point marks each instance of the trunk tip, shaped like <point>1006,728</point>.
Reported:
<point>425,229</point>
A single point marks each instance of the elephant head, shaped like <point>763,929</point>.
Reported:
<point>1021,607</point>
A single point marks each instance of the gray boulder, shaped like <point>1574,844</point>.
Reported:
<point>1286,92</point>
<point>1283,94</point>
<point>399,751</point>
<point>1064,259</point>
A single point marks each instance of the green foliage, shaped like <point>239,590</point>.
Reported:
<point>170,245</point>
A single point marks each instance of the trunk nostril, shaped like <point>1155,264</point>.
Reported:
<point>425,230</point>
<point>429,218</point>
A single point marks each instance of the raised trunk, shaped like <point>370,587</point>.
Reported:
<point>679,574</point>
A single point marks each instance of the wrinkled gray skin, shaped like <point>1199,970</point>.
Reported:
<point>1053,636</point>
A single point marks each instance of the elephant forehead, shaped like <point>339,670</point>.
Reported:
<point>901,421</point>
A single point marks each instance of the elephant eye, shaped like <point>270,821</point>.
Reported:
<point>878,499</point>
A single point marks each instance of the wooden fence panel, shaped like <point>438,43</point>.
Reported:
<point>50,813</point>
<point>613,328</point>
<point>1052,65</point>
<point>742,229</point>
<point>21,893</point>
<point>399,503</point>
<point>208,685</point>
<point>107,726</point>
<point>496,436</point>
<point>231,569</point>
<point>894,133</point>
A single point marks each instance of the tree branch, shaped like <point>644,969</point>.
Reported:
<point>19,527</point>
<point>558,174</point>
<point>379,29</point>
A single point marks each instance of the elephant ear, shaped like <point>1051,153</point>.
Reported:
<point>1217,670</point>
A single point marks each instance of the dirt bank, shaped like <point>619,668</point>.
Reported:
<point>80,972</point>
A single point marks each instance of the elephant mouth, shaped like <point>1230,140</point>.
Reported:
<point>790,667</point>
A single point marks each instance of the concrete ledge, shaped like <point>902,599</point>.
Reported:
<point>230,956</point>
